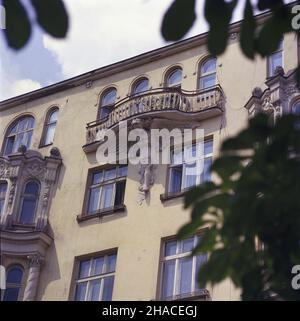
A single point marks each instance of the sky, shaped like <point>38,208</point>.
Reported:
<point>101,32</point>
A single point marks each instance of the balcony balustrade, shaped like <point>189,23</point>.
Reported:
<point>159,102</point>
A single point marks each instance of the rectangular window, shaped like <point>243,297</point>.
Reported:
<point>95,279</point>
<point>180,269</point>
<point>181,176</point>
<point>106,189</point>
<point>275,60</point>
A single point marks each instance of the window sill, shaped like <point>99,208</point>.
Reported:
<point>169,196</point>
<point>201,295</point>
<point>45,145</point>
<point>101,213</point>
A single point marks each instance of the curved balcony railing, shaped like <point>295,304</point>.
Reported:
<point>157,100</point>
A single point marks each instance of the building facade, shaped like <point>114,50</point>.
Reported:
<point>74,229</point>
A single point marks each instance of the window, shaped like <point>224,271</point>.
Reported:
<point>29,203</point>
<point>174,78</point>
<point>182,175</point>
<point>275,60</point>
<point>107,189</point>
<point>13,284</point>
<point>50,126</point>
<point>208,75</point>
<point>95,279</point>
<point>296,108</point>
<point>3,189</point>
<point>140,86</point>
<point>180,269</point>
<point>107,102</point>
<point>20,133</point>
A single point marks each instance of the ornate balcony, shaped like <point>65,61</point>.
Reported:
<point>169,103</point>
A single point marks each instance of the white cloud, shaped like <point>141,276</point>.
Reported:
<point>103,32</point>
<point>18,87</point>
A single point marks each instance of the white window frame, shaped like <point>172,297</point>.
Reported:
<point>100,185</point>
<point>100,277</point>
<point>177,257</point>
<point>203,75</point>
<point>184,165</point>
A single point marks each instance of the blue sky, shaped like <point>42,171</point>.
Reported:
<point>101,32</point>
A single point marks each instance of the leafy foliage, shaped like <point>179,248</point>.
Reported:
<point>51,15</point>
<point>218,14</point>
<point>253,212</point>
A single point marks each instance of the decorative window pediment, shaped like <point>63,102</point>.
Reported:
<point>20,169</point>
<point>277,98</point>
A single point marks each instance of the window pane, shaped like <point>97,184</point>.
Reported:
<point>200,260</point>
<point>18,142</point>
<point>53,117</point>
<point>98,266</point>
<point>168,279</point>
<point>120,192</point>
<point>170,248</point>
<point>208,81</point>
<point>111,263</point>
<point>11,294</point>
<point>84,269</point>
<point>97,178</point>
<point>122,171</point>
<point>110,174</point>
<point>108,288</point>
<point>175,78</point>
<point>94,290</point>
<point>28,211</point>
<point>176,179</point>
<point>50,131</point>
<point>190,175</point>
<point>206,175</point>
<point>209,66</point>
<point>185,266</point>
<point>32,188</point>
<point>3,188</point>
<point>187,245</point>
<point>109,98</point>
<point>275,60</point>
<point>1,206</point>
<point>107,193</point>
<point>104,112</point>
<point>208,147</point>
<point>296,109</point>
<point>141,86</point>
<point>9,145</point>
<point>27,139</point>
<point>94,200</point>
<point>80,291</point>
<point>14,275</point>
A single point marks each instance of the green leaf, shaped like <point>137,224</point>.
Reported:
<point>269,4</point>
<point>178,19</point>
<point>247,39</point>
<point>18,28</point>
<point>218,14</point>
<point>272,32</point>
<point>52,16</point>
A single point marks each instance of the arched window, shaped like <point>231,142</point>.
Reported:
<point>20,133</point>
<point>208,76</point>
<point>107,102</point>
<point>13,283</point>
<point>140,86</point>
<point>50,125</point>
<point>29,202</point>
<point>296,108</point>
<point>3,189</point>
<point>174,78</point>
